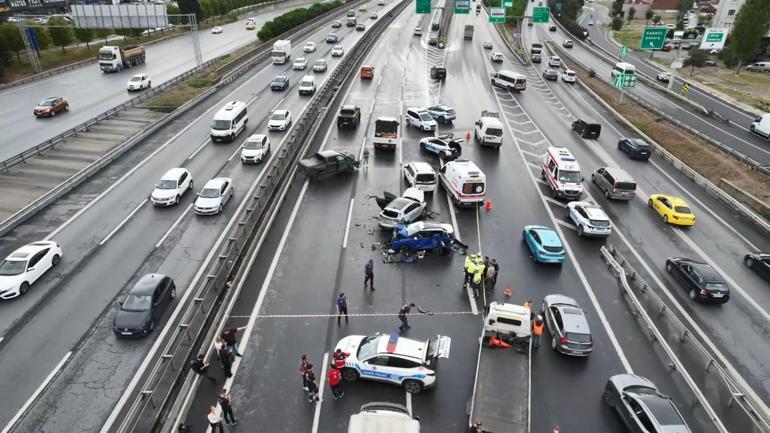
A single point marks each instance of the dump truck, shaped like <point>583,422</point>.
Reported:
<point>501,389</point>
<point>327,163</point>
<point>114,59</point>
<point>468,32</point>
<point>281,52</point>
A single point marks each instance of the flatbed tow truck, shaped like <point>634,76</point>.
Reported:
<point>501,391</point>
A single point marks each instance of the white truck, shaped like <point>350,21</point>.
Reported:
<point>761,126</point>
<point>383,417</point>
<point>114,59</point>
<point>281,52</point>
<point>501,389</point>
<point>489,129</point>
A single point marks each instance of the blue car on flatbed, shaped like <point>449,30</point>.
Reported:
<point>544,244</point>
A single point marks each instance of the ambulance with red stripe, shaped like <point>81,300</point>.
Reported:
<point>561,171</point>
<point>465,182</point>
<point>394,359</point>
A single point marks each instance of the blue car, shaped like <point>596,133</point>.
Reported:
<point>544,243</point>
<point>442,113</point>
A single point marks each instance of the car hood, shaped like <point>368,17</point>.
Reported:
<point>43,107</point>
<point>163,193</point>
<point>131,319</point>
<point>252,152</point>
<point>276,122</point>
<point>350,344</point>
<point>8,282</point>
<point>203,202</point>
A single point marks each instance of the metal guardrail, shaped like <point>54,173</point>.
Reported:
<point>170,365</point>
<point>717,383</point>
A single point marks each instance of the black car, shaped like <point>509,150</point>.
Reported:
<point>280,82</point>
<point>360,27</point>
<point>567,43</point>
<point>641,406</point>
<point>635,148</point>
<point>700,280</point>
<point>438,73</point>
<point>331,38</point>
<point>144,306</point>
<point>551,74</point>
<point>759,263</point>
<point>586,128</point>
<point>552,28</point>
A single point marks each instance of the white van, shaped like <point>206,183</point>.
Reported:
<point>464,181</point>
<point>623,68</point>
<point>383,417</point>
<point>509,80</point>
<point>420,175</point>
<point>488,130</point>
<point>561,171</point>
<point>229,121</point>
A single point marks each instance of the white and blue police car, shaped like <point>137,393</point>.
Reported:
<point>394,359</point>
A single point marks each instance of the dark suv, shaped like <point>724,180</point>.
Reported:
<point>586,128</point>
<point>349,115</point>
<point>280,82</point>
<point>634,148</point>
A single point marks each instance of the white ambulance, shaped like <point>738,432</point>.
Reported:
<point>561,171</point>
<point>465,182</point>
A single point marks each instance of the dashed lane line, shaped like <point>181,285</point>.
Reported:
<point>173,226</point>
<point>122,223</point>
<point>317,414</point>
<point>347,223</point>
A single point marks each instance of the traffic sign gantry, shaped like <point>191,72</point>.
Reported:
<point>540,14</point>
<point>423,6</point>
<point>497,15</point>
<point>653,38</point>
<point>463,7</point>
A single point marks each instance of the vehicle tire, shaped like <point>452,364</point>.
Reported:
<point>232,137</point>
<point>620,148</point>
<point>422,146</point>
<point>441,119</point>
<point>580,231</point>
<point>607,194</point>
<point>173,293</point>
<point>593,178</point>
<point>649,203</point>
<point>413,386</point>
<point>57,258</point>
<point>191,186</point>
<point>749,262</point>
<point>53,113</point>
<point>23,288</point>
<point>152,326</point>
<point>693,294</point>
<point>665,219</point>
<point>220,208</point>
<point>176,201</point>
<point>609,398</point>
<point>349,374</point>
<point>67,107</point>
<point>669,267</point>
<point>553,345</point>
<point>542,174</point>
<point>149,84</point>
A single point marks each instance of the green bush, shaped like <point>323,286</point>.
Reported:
<point>292,19</point>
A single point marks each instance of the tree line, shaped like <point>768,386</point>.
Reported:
<point>294,18</point>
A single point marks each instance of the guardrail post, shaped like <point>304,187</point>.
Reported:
<point>734,397</point>
<point>148,394</point>
<point>710,363</point>
<point>170,358</point>
<point>186,327</point>
<point>684,336</point>
<point>663,310</point>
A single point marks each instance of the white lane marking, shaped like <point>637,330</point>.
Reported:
<point>409,403</point>
<point>173,226</point>
<point>566,224</point>
<point>361,152</point>
<point>453,216</point>
<point>478,227</point>
<point>533,165</point>
<point>276,105</point>
<point>251,101</point>
<point>317,414</point>
<point>347,224</point>
<point>532,154</point>
<point>568,248</point>
<point>471,299</point>
<point>371,108</point>
<point>556,202</point>
<point>1,339</point>
<point>122,223</point>
<point>237,149</point>
<point>195,152</point>
<point>37,392</point>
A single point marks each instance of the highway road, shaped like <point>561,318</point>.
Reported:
<point>331,232</point>
<point>735,135</point>
<point>91,92</point>
<point>111,236</point>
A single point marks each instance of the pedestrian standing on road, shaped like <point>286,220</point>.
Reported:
<point>529,304</point>
<point>537,331</point>
<point>369,273</point>
<point>200,366</point>
<point>227,410</point>
<point>312,387</point>
<point>478,276</point>
<point>404,311</point>
<point>366,159</point>
<point>489,283</point>
<point>342,308</point>
<point>226,358</point>
<point>215,421</point>
<point>497,270</point>
<point>335,381</point>
<point>339,357</point>
<point>475,427</point>
<point>228,336</point>
<point>304,365</point>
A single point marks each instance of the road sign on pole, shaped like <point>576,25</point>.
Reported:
<point>623,81</point>
<point>497,15</point>
<point>540,14</point>
<point>624,51</point>
<point>463,7</point>
<point>713,39</point>
<point>508,3</point>
<point>653,38</point>
<point>685,88</point>
<point>423,6</point>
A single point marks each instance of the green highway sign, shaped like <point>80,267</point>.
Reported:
<point>508,3</point>
<point>497,15</point>
<point>624,81</point>
<point>624,51</point>
<point>540,14</point>
<point>715,37</point>
<point>423,6</point>
<point>463,7</point>
<point>653,38</point>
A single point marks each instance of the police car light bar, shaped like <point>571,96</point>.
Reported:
<point>391,347</point>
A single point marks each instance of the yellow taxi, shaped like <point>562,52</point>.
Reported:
<point>672,209</point>
<point>251,25</point>
<point>362,8</point>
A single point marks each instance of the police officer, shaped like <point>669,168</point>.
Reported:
<point>478,276</point>
<point>404,311</point>
<point>470,268</point>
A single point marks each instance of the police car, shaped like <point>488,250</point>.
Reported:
<point>444,146</point>
<point>394,359</point>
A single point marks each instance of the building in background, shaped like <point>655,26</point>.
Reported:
<point>727,11</point>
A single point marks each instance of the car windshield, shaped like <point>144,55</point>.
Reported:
<point>368,347</point>
<point>278,116</point>
<point>497,132</point>
<point>253,144</point>
<point>578,337</point>
<point>210,193</point>
<point>390,213</point>
<point>279,80</point>
<point>221,125</point>
<point>307,83</point>
<point>136,79</point>
<point>47,102</point>
<point>569,176</point>
<point>167,184</point>
<point>682,209</point>
<point>137,303</point>
<point>425,117</point>
<point>12,267</point>
<point>716,286</point>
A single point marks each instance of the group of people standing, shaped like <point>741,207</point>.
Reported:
<point>334,376</point>
<point>481,273</point>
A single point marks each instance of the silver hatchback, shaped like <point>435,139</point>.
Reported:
<point>567,325</point>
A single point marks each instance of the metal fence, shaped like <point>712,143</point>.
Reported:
<point>149,401</point>
<point>713,385</point>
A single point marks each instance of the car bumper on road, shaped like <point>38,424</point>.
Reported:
<point>206,210</point>
<point>550,258</point>
<point>9,294</point>
<point>251,159</point>
<point>163,202</point>
<point>227,137</point>
<point>129,333</point>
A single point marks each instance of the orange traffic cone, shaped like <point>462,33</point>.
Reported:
<point>494,342</point>
<point>508,292</point>
<point>488,205</point>
<point>503,344</point>
<point>468,136</point>
<point>556,429</point>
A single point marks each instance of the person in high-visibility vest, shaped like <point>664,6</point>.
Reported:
<point>478,277</point>
<point>470,269</point>
<point>537,331</point>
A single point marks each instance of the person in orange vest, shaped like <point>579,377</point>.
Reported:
<point>339,358</point>
<point>537,331</point>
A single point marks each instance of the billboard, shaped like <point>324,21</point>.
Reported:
<point>126,16</point>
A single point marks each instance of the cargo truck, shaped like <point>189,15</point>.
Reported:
<point>281,52</point>
<point>761,126</point>
<point>468,33</point>
<point>114,58</point>
<point>501,390</point>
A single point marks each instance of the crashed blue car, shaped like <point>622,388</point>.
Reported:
<point>424,236</point>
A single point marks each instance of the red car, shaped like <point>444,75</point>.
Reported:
<point>48,107</point>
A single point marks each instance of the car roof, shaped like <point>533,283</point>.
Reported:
<point>173,174</point>
<point>146,285</point>
<point>28,250</point>
<point>404,347</point>
<point>399,203</point>
<point>547,236</point>
<point>662,409</point>
<point>594,212</point>
<point>422,167</point>
<point>424,226</point>
<point>256,137</point>
<point>217,182</point>
<point>559,299</point>
<point>706,271</point>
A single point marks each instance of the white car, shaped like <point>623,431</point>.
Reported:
<point>487,45</point>
<point>418,31</point>
<point>320,65</point>
<point>24,266</point>
<point>139,82</point>
<point>420,175</point>
<point>212,198</point>
<point>420,118</point>
<point>393,359</point>
<point>554,62</point>
<point>216,30</point>
<point>309,47</point>
<point>306,85</point>
<point>300,64</point>
<point>589,219</point>
<point>171,187</point>
<point>373,16</point>
<point>569,76</point>
<point>255,148</point>
<point>496,58</point>
<point>663,76</point>
<point>338,51</point>
<point>406,209</point>
<point>279,120</point>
